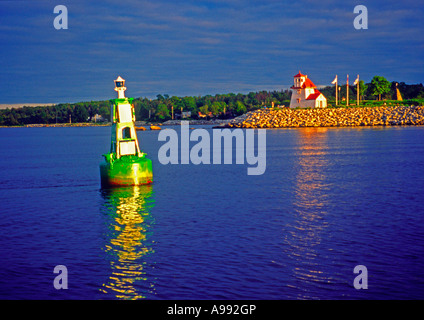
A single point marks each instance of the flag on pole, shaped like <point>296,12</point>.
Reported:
<point>357,80</point>
<point>335,82</point>
<point>357,89</point>
<point>347,90</point>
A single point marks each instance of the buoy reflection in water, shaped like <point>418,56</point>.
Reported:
<point>128,241</point>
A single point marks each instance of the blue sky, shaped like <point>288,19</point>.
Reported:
<point>200,47</point>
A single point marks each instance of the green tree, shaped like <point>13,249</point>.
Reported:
<point>379,86</point>
<point>362,88</point>
<point>105,112</point>
<point>162,112</point>
<point>240,107</point>
<point>43,116</point>
<point>216,108</point>
<point>79,114</point>
<point>142,108</point>
<point>190,104</point>
<point>204,109</point>
<point>12,120</point>
<point>177,103</point>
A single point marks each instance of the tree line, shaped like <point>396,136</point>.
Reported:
<point>209,106</point>
<point>378,89</point>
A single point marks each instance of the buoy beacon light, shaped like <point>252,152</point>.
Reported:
<point>125,164</point>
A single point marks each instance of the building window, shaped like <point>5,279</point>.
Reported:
<point>298,100</point>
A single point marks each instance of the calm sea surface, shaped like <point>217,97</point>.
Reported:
<point>330,199</point>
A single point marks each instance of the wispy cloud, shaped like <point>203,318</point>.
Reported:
<point>193,47</point>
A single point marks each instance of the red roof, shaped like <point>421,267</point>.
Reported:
<point>308,84</point>
<point>313,96</point>
<point>299,75</point>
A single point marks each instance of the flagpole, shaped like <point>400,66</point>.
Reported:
<point>336,91</point>
<point>357,90</point>
<point>347,91</point>
<point>335,82</point>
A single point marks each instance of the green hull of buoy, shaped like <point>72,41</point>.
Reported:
<point>126,171</point>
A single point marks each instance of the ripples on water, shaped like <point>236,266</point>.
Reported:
<point>127,241</point>
<point>329,200</point>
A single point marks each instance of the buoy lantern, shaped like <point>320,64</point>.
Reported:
<point>125,164</point>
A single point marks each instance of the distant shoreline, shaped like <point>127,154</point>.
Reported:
<point>21,105</point>
<point>289,118</point>
<point>107,124</point>
<point>60,125</point>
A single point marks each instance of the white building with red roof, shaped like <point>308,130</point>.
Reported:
<point>305,94</point>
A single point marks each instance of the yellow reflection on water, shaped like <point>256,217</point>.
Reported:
<point>312,162</point>
<point>128,210</point>
<point>309,205</point>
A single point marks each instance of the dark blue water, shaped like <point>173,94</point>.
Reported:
<point>330,199</point>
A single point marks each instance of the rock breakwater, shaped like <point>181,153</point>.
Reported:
<point>330,117</point>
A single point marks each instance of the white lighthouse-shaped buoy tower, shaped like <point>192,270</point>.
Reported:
<point>124,137</point>
<point>125,164</point>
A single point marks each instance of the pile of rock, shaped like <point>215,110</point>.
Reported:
<point>330,117</point>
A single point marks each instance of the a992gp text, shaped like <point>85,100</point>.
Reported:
<point>218,309</point>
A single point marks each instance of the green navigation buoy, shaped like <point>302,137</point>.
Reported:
<point>125,164</point>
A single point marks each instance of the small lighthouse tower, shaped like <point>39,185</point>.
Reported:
<point>124,139</point>
<point>120,87</point>
<point>125,164</point>
<point>305,93</point>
